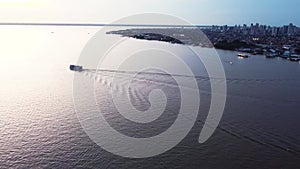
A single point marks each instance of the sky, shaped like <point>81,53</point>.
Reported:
<point>200,12</point>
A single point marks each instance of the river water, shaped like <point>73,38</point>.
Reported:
<point>39,127</point>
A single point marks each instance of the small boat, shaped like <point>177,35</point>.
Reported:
<point>241,55</point>
<point>271,55</point>
<point>295,58</point>
<point>76,68</point>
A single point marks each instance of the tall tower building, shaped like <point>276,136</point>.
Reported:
<point>274,31</point>
<point>291,30</point>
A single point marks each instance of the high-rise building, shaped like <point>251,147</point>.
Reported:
<point>291,30</point>
<point>274,31</point>
<point>252,29</point>
<point>285,30</point>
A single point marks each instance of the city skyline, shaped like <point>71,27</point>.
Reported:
<point>261,29</point>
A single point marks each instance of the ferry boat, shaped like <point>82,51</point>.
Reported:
<point>76,68</point>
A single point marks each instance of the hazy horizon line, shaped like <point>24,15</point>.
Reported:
<point>104,24</point>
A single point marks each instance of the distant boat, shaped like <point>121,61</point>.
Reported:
<point>286,54</point>
<point>242,55</point>
<point>76,68</point>
<point>271,55</point>
<point>294,58</point>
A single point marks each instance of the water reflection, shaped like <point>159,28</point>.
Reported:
<point>39,127</point>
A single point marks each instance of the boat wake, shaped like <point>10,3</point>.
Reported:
<point>143,80</point>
